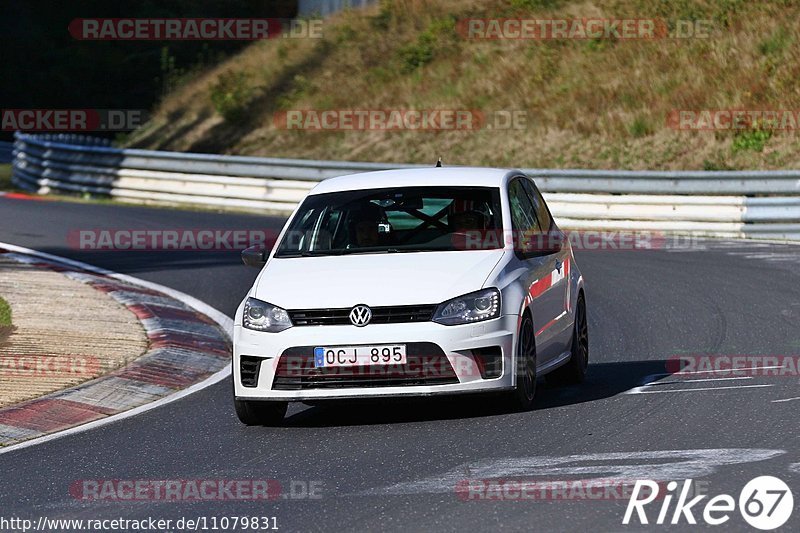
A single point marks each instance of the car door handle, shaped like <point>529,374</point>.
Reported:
<point>559,265</point>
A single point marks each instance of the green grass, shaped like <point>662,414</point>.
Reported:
<point>5,314</point>
<point>5,177</point>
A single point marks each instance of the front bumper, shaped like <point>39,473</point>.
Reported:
<point>456,343</point>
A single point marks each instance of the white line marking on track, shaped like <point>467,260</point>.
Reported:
<point>608,468</point>
<point>721,371</point>
<point>651,380</point>
<point>220,318</point>
<point>684,381</point>
<point>786,400</point>
<point>697,389</point>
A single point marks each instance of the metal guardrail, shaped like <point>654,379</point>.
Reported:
<point>763,204</point>
<point>327,7</point>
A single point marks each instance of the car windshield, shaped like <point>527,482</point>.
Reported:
<point>406,219</point>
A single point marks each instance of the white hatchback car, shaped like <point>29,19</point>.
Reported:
<point>410,283</point>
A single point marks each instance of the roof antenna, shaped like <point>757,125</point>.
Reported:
<point>439,162</point>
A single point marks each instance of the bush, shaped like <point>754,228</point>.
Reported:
<point>776,43</point>
<point>230,96</point>
<point>382,20</point>
<point>753,139</point>
<point>417,54</point>
<point>640,128</point>
<point>421,52</point>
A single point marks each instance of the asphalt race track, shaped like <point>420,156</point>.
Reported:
<point>396,465</point>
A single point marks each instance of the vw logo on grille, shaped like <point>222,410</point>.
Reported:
<point>360,315</point>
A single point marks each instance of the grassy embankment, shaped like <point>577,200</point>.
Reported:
<point>589,103</point>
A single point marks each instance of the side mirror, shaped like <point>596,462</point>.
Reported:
<point>255,256</point>
<point>555,246</point>
<point>540,244</point>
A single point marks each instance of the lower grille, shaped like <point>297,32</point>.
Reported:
<point>426,365</point>
<point>249,368</point>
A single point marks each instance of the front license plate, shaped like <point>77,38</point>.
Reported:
<point>381,354</point>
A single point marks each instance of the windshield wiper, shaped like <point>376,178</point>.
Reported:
<point>396,250</point>
<point>427,249</point>
<point>304,253</point>
<point>347,251</point>
<point>350,251</point>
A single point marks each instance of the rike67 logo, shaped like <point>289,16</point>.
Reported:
<point>765,503</point>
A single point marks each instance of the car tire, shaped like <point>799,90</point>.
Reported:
<point>522,397</point>
<point>574,371</point>
<point>260,413</point>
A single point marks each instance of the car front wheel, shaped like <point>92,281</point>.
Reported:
<point>260,413</point>
<point>574,371</point>
<point>521,398</point>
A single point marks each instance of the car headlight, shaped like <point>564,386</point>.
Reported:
<point>472,307</point>
<point>261,316</point>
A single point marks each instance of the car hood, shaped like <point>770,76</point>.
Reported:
<point>373,279</point>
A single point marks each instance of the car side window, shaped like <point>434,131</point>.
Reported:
<point>538,203</point>
<point>523,212</point>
